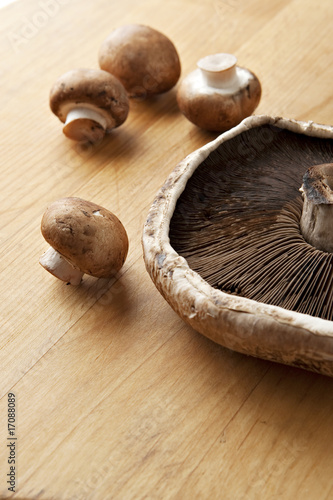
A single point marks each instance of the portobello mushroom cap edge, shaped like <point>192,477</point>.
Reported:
<point>234,321</point>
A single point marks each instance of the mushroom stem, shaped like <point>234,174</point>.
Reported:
<point>85,124</point>
<point>219,70</point>
<point>55,264</point>
<point>317,215</point>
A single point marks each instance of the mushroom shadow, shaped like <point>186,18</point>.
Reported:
<point>116,143</point>
<point>107,294</point>
<point>201,135</point>
<point>156,105</point>
<point>272,373</point>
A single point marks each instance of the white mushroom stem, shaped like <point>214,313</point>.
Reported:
<point>317,215</point>
<point>85,124</point>
<point>219,70</point>
<point>57,265</point>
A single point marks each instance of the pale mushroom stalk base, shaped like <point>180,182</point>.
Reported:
<point>317,214</point>
<point>85,124</point>
<point>219,71</point>
<point>55,264</point>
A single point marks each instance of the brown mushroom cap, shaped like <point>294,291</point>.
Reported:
<point>144,60</point>
<point>295,332</point>
<point>87,235</point>
<point>218,109</point>
<point>239,222</point>
<point>90,87</point>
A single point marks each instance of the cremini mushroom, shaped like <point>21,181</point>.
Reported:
<point>90,102</point>
<point>226,243</point>
<point>142,58</point>
<point>84,238</point>
<point>218,94</point>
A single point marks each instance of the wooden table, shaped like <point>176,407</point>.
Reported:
<point>116,398</point>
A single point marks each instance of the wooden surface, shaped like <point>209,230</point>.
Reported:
<point>116,397</point>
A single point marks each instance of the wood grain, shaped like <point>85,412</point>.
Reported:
<point>116,397</point>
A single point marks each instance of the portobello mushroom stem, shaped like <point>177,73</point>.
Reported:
<point>317,215</point>
<point>55,264</point>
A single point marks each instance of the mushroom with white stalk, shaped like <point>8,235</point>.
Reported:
<point>84,238</point>
<point>144,59</point>
<point>236,252</point>
<point>218,94</point>
<point>90,102</point>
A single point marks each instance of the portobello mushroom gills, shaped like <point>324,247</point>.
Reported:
<point>238,220</point>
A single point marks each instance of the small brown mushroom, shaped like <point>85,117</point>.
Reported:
<point>84,238</point>
<point>142,58</point>
<point>218,94</point>
<point>90,102</point>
